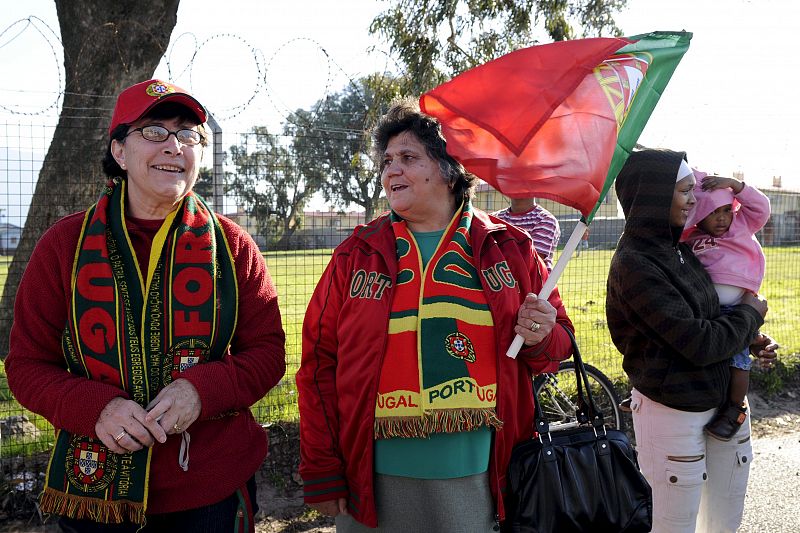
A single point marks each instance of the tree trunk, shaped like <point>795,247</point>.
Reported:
<point>284,243</point>
<point>289,227</point>
<point>108,45</point>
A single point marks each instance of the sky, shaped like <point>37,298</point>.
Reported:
<point>731,103</point>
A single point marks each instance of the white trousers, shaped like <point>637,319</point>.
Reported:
<point>698,482</point>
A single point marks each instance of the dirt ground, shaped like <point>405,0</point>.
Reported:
<point>280,488</point>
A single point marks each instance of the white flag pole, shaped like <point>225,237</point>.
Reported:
<point>552,279</point>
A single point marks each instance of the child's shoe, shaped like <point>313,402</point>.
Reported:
<point>726,422</point>
<point>625,405</point>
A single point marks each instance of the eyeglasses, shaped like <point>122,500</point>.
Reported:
<point>159,134</point>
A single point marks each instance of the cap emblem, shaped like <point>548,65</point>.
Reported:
<point>159,89</point>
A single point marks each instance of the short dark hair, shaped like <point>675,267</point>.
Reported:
<point>404,115</point>
<point>165,111</point>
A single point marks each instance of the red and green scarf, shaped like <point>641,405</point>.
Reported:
<point>439,373</point>
<point>137,331</point>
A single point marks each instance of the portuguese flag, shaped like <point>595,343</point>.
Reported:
<point>556,121</point>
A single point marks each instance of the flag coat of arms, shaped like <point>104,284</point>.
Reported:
<point>556,121</point>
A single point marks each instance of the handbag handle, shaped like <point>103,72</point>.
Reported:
<point>587,410</point>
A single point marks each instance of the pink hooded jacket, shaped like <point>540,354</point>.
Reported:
<point>736,258</point>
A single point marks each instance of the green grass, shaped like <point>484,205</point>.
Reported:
<point>781,288</point>
<point>5,261</point>
<point>36,442</point>
<point>583,290</point>
<point>582,287</point>
<point>295,274</point>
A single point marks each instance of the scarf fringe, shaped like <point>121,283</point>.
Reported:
<point>82,507</point>
<point>440,421</point>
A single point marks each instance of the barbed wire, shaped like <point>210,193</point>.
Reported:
<point>172,49</point>
<point>288,114</point>
<point>189,68</point>
<point>261,68</point>
<point>34,21</point>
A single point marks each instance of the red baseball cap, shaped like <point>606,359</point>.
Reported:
<point>135,101</point>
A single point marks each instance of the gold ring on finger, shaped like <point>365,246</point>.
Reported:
<point>119,437</point>
<point>535,325</point>
<point>177,428</point>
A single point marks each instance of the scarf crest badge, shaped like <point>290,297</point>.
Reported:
<point>459,346</point>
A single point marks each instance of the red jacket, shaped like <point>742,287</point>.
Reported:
<point>344,338</point>
<point>225,449</point>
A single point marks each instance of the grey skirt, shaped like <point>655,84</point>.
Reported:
<point>428,506</point>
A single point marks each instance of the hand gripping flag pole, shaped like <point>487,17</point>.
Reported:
<point>552,279</point>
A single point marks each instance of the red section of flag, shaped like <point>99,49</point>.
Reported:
<point>536,122</point>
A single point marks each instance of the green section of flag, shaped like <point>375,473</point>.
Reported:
<point>664,51</point>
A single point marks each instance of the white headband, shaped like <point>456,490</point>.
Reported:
<point>683,171</point>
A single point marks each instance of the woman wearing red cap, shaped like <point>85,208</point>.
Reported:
<point>144,329</point>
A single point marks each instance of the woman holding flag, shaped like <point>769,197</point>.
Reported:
<point>142,320</point>
<point>409,407</point>
<point>663,316</point>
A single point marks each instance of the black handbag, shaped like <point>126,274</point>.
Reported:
<point>581,479</point>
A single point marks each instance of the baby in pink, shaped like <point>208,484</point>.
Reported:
<point>721,231</point>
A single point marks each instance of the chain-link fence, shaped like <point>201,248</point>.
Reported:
<point>299,199</point>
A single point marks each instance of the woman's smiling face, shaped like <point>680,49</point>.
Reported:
<point>683,201</point>
<point>159,173</point>
<point>414,185</point>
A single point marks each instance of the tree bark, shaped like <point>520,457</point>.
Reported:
<point>108,45</point>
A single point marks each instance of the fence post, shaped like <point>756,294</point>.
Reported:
<point>217,179</point>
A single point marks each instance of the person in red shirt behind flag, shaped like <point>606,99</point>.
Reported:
<point>403,383</point>
<point>139,321</point>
